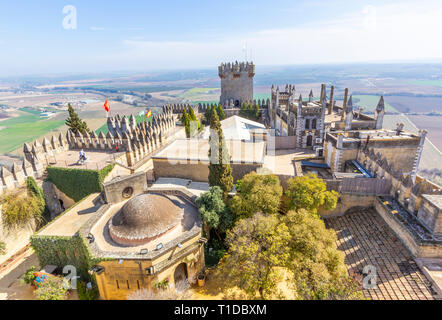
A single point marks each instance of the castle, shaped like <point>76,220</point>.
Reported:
<point>236,83</point>
<point>368,165</point>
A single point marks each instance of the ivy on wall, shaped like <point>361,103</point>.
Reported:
<point>62,251</point>
<point>78,183</point>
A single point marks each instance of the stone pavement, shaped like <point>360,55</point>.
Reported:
<point>71,221</point>
<point>365,240</point>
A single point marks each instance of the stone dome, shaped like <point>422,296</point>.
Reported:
<point>143,218</point>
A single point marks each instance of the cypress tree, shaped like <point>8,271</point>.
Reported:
<point>220,172</point>
<point>221,113</point>
<point>75,123</point>
<point>207,115</point>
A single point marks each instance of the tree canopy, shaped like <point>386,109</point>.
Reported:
<point>257,246</point>
<point>75,123</point>
<point>214,213</point>
<point>190,122</point>
<point>258,193</point>
<point>249,111</point>
<point>20,208</point>
<point>220,111</point>
<point>220,171</point>
<point>266,251</point>
<point>309,192</point>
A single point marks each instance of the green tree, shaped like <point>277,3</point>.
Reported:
<point>192,117</point>
<point>185,120</point>
<point>75,123</point>
<point>207,115</point>
<point>220,111</point>
<point>257,193</point>
<point>220,171</point>
<point>248,111</point>
<point>309,192</point>
<point>214,213</point>
<point>256,111</point>
<point>296,250</point>
<point>257,248</point>
<point>318,267</point>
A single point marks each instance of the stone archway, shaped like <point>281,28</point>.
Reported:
<point>180,275</point>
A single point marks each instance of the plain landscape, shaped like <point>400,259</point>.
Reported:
<point>35,106</point>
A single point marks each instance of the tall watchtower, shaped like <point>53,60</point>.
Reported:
<point>236,83</point>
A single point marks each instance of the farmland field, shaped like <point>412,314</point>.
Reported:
<point>431,156</point>
<point>369,103</point>
<point>195,95</point>
<point>24,128</point>
<point>434,83</point>
<point>415,104</point>
<point>433,124</point>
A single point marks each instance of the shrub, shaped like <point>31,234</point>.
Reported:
<point>179,292</point>
<point>309,192</point>
<point>53,288</point>
<point>28,277</point>
<point>257,193</point>
<point>164,284</point>
<point>87,294</point>
<point>78,183</point>
<point>2,248</point>
<point>214,250</point>
<point>18,209</point>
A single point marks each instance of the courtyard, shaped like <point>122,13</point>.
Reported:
<point>366,240</point>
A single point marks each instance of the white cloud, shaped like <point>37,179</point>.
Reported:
<point>404,31</point>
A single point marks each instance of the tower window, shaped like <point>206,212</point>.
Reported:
<point>307,123</point>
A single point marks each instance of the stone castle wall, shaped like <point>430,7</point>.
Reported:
<point>236,83</point>
<point>138,140</point>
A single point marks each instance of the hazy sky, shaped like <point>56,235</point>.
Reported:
<point>98,35</point>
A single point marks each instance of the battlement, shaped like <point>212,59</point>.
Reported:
<point>137,140</point>
<point>236,69</point>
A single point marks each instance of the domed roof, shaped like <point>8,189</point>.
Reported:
<point>143,218</point>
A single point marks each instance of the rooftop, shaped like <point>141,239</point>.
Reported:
<point>236,128</point>
<point>197,150</point>
<point>189,225</point>
<point>96,160</point>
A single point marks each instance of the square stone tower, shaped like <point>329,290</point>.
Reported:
<point>236,83</point>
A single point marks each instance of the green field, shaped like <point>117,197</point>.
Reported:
<point>24,128</point>
<point>197,95</point>
<point>432,83</point>
<point>369,103</point>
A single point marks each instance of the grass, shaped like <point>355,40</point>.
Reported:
<point>369,103</point>
<point>196,94</point>
<point>432,83</point>
<point>24,128</point>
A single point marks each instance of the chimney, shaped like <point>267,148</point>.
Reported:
<point>344,104</point>
<point>330,106</point>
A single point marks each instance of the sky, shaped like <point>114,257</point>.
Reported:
<point>53,36</point>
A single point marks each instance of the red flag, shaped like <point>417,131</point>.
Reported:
<point>106,105</point>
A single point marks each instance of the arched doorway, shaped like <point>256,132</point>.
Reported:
<point>309,141</point>
<point>237,104</point>
<point>180,276</point>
